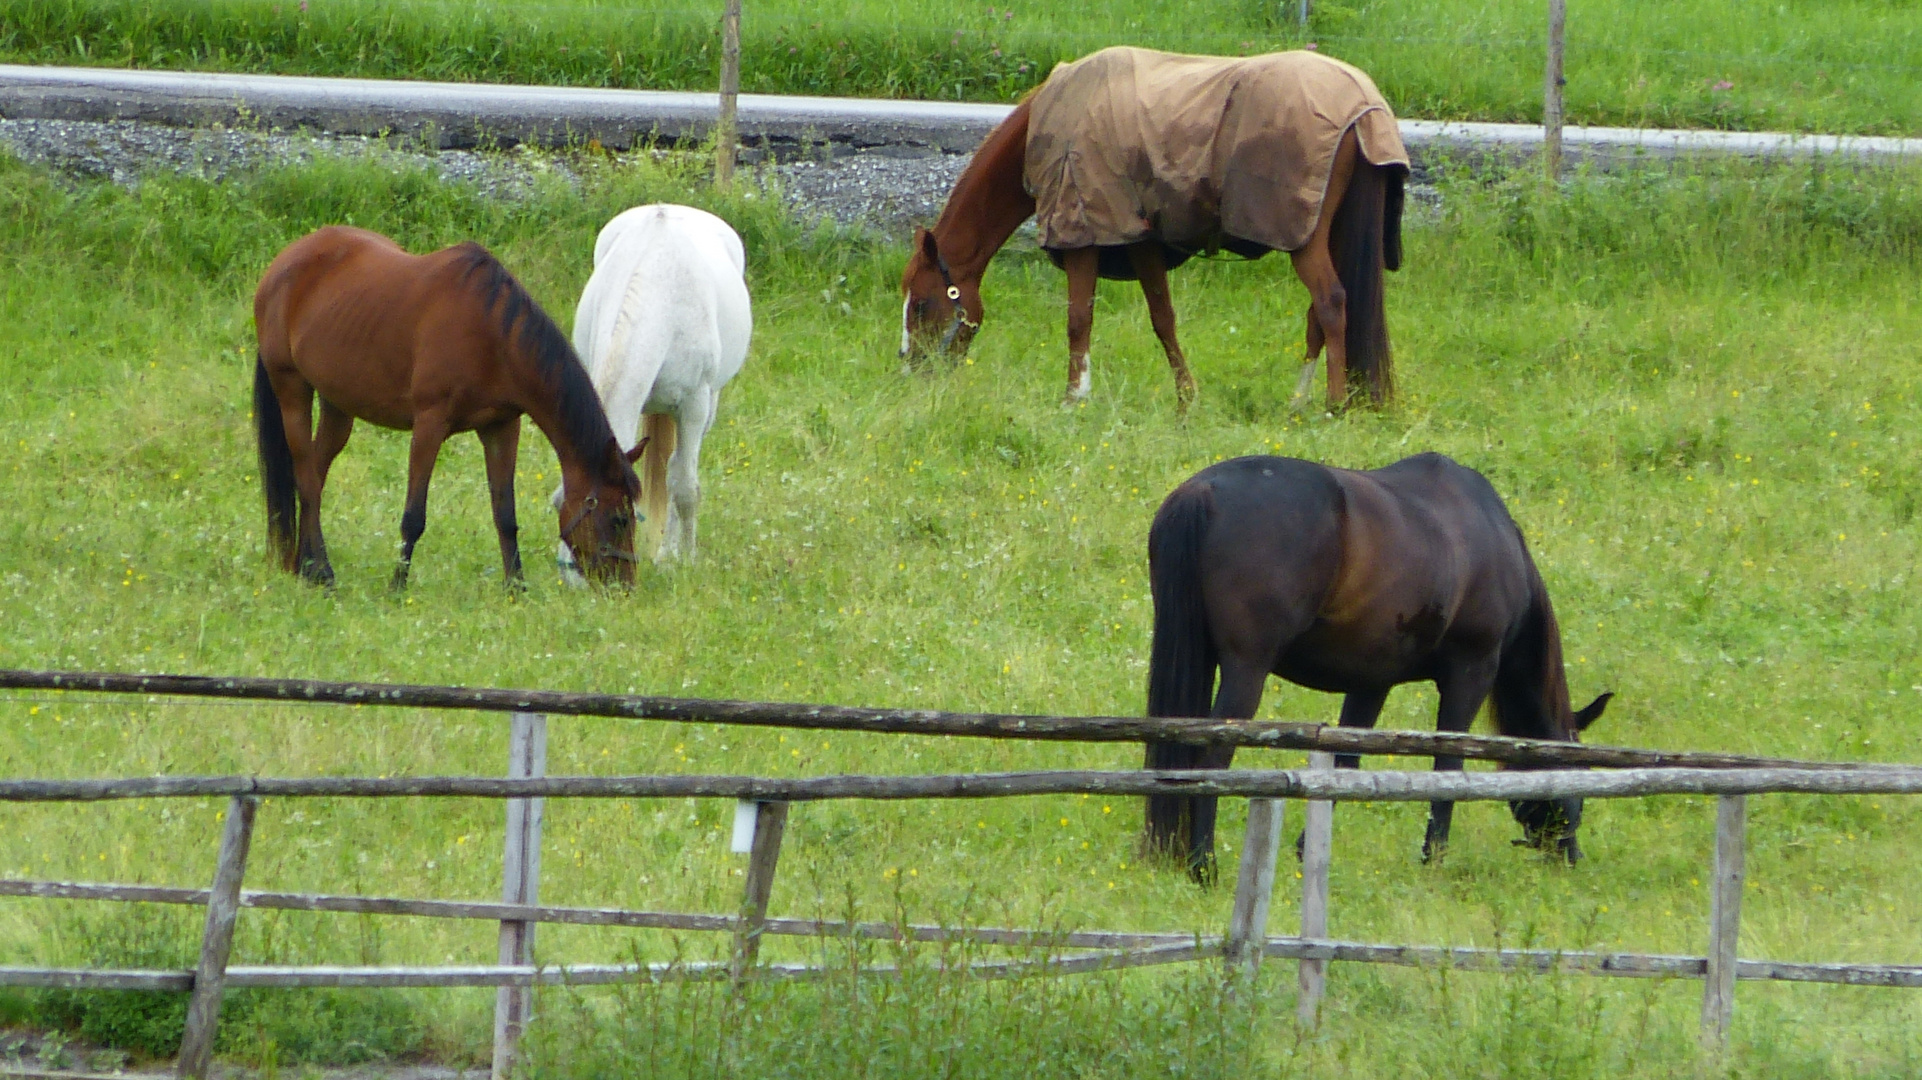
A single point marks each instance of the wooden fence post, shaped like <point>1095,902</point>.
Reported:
<point>521,884</point>
<point>726,131</point>
<point>1255,886</point>
<point>1317,841</point>
<point>1724,921</point>
<point>770,821</point>
<point>1552,84</point>
<point>217,942</point>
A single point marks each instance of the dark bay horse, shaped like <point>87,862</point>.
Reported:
<point>1356,236</point>
<point>434,344</point>
<point>1350,583</point>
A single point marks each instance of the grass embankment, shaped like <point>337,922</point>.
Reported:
<point>1699,394</point>
<point>1842,66</point>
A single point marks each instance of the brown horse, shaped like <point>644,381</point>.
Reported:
<point>1350,583</point>
<point>434,344</point>
<point>1355,235</point>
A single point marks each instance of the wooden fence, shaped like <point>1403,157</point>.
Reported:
<point>763,805</point>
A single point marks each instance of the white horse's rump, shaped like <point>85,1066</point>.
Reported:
<point>662,325</point>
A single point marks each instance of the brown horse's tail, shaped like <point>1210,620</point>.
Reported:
<point>660,431</point>
<point>276,466</point>
<point>1182,660</point>
<point>1366,239</point>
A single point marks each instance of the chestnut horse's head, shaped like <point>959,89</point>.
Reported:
<point>597,515</point>
<point>939,312</point>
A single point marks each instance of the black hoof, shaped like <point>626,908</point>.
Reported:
<point>318,574</point>
<point>399,584</point>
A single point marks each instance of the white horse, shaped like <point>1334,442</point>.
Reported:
<point>662,325</point>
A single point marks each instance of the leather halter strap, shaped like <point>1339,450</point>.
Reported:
<point>608,551</point>
<point>954,297</point>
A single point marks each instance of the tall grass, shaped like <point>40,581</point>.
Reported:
<point>1696,390</point>
<point>1843,66</point>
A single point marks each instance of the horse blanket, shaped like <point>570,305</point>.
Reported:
<point>1130,143</point>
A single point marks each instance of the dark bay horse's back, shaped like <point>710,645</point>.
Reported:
<point>1347,582</point>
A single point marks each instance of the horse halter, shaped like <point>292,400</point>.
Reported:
<point>954,297</point>
<point>588,506</point>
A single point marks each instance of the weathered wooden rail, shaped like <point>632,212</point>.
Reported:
<point>763,803</point>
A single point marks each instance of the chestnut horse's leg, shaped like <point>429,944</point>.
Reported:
<point>1463,686</point>
<point>1080,265</point>
<point>1152,271</point>
<point>501,445</point>
<point>297,419</point>
<point>1307,380</point>
<point>430,430</point>
<point>1316,267</point>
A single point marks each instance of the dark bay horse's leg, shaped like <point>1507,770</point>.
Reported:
<point>1081,265</point>
<point>1152,270</point>
<point>430,430</point>
<point>501,444</point>
<point>1315,266</point>
<point>1463,686</point>
<point>297,419</point>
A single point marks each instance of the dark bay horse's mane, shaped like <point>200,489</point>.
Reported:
<point>525,323</point>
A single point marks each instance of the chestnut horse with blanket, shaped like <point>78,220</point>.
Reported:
<point>1132,161</point>
<point>1350,583</point>
<point>434,344</point>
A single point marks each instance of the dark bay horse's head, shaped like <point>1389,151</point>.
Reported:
<point>597,515</point>
<point>939,311</point>
<point>1551,824</point>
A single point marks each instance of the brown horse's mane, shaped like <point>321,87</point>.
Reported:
<point>988,201</point>
<point>539,340</point>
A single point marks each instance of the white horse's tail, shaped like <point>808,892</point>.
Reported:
<point>661,432</point>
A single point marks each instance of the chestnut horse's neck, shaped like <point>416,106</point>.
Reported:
<point>989,202</point>
<point>560,398</point>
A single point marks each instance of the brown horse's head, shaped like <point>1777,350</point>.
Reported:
<point>597,515</point>
<point>939,311</point>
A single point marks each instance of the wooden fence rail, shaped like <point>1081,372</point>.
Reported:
<point>1271,734</point>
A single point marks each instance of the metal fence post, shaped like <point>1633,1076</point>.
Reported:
<point>521,884</point>
<point>217,942</point>
<point>1552,83</point>
<point>770,821</point>
<point>1317,842</point>
<point>1724,920</point>
<point>1254,887</point>
<point>725,129</point>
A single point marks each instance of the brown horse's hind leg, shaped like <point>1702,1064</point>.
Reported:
<point>1315,266</point>
<point>1463,689</point>
<point>1080,265</point>
<point>297,419</point>
<point>501,444</point>
<point>1152,271</point>
<point>430,430</point>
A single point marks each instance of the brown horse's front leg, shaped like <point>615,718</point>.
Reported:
<point>501,445</point>
<point>1152,271</point>
<point>1307,380</point>
<point>429,432</point>
<point>1327,317</point>
<point>1080,265</point>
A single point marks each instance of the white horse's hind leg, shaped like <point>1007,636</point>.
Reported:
<point>684,477</point>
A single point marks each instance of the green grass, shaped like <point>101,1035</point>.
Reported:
<point>1845,66</point>
<point>1697,391</point>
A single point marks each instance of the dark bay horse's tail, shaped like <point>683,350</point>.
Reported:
<point>1366,239</point>
<point>1181,666</point>
<point>276,466</point>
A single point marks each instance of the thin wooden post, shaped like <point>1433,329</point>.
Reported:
<point>1255,886</point>
<point>1317,843</point>
<point>726,132</point>
<point>1552,83</point>
<point>770,821</point>
<point>217,942</point>
<point>1724,921</point>
<point>521,884</point>
<point>1303,15</point>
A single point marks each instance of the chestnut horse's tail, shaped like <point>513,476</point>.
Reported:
<point>276,466</point>
<point>1182,660</point>
<point>661,431</point>
<point>1366,239</point>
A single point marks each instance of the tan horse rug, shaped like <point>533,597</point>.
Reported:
<point>1196,150</point>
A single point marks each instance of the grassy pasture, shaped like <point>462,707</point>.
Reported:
<point>1697,390</point>
<point>1794,65</point>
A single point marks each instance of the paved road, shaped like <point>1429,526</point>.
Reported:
<point>469,114</point>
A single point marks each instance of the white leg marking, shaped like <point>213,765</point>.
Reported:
<point>1086,383</point>
<point>904,325</point>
